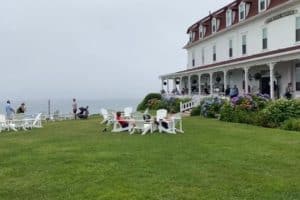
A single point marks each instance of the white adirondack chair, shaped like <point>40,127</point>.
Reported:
<point>6,125</point>
<point>36,122</point>
<point>177,120</point>
<point>20,122</point>
<point>140,124</point>
<point>161,116</point>
<point>107,116</point>
<point>117,128</point>
<point>127,112</point>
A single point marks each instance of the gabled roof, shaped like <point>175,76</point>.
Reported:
<point>221,16</point>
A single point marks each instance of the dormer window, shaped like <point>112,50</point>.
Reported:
<point>192,36</point>
<point>262,5</point>
<point>242,11</point>
<point>228,18</point>
<point>201,32</point>
<point>214,25</point>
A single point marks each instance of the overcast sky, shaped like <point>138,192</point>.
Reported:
<point>93,48</point>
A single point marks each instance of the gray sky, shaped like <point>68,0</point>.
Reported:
<point>93,48</point>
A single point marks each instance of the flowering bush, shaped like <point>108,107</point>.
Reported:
<point>250,102</point>
<point>244,109</point>
<point>210,107</point>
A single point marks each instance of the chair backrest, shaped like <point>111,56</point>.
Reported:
<point>104,113</point>
<point>128,111</point>
<point>137,116</point>
<point>19,116</point>
<point>146,112</point>
<point>37,120</point>
<point>2,119</point>
<point>161,114</point>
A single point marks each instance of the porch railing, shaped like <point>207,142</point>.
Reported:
<point>189,105</point>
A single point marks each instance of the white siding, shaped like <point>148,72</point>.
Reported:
<point>281,34</point>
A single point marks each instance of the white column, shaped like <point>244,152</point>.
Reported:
<point>189,85</point>
<point>174,84</point>
<point>199,82</point>
<point>246,70</point>
<point>271,66</point>
<point>168,88</point>
<point>162,83</point>
<point>211,83</point>
<point>225,79</point>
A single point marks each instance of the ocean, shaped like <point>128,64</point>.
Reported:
<point>64,106</point>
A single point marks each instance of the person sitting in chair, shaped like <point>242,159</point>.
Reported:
<point>83,113</point>
<point>122,122</point>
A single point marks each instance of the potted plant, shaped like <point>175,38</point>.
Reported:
<point>218,79</point>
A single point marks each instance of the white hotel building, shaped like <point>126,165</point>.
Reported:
<point>248,43</point>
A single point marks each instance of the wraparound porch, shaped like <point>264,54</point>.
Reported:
<point>256,75</point>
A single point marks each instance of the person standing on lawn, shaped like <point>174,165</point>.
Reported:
<point>74,107</point>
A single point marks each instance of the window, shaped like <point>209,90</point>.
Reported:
<point>230,48</point>
<point>297,77</point>
<point>201,33</point>
<point>228,18</point>
<point>214,25</point>
<point>244,44</point>
<point>265,38</point>
<point>214,53</point>
<point>193,59</point>
<point>192,36</point>
<point>242,11</point>
<point>203,56</point>
<point>298,29</point>
<point>262,5</point>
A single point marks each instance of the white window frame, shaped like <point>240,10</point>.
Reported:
<point>201,32</point>
<point>214,52</point>
<point>264,35</point>
<point>297,65</point>
<point>214,25</point>
<point>230,46</point>
<point>259,5</point>
<point>228,17</point>
<point>297,17</point>
<point>244,36</point>
<point>193,59</point>
<point>242,7</point>
<point>203,56</point>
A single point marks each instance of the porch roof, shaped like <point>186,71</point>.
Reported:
<point>238,60</point>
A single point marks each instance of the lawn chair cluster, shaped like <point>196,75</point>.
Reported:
<point>20,122</point>
<point>142,123</point>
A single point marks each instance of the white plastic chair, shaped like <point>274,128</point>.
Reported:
<point>117,128</point>
<point>6,125</point>
<point>140,124</point>
<point>36,122</point>
<point>19,121</point>
<point>161,116</point>
<point>104,114</point>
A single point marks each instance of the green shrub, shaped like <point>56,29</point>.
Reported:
<point>279,111</point>
<point>237,114</point>
<point>210,107</point>
<point>196,111</point>
<point>154,101</point>
<point>291,125</point>
<point>151,101</point>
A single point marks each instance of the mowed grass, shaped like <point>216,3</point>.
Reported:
<point>211,160</point>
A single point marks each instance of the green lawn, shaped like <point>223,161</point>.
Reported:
<point>211,160</point>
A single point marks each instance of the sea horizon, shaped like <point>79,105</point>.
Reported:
<point>64,105</point>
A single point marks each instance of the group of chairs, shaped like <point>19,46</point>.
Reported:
<point>143,122</point>
<point>20,122</point>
